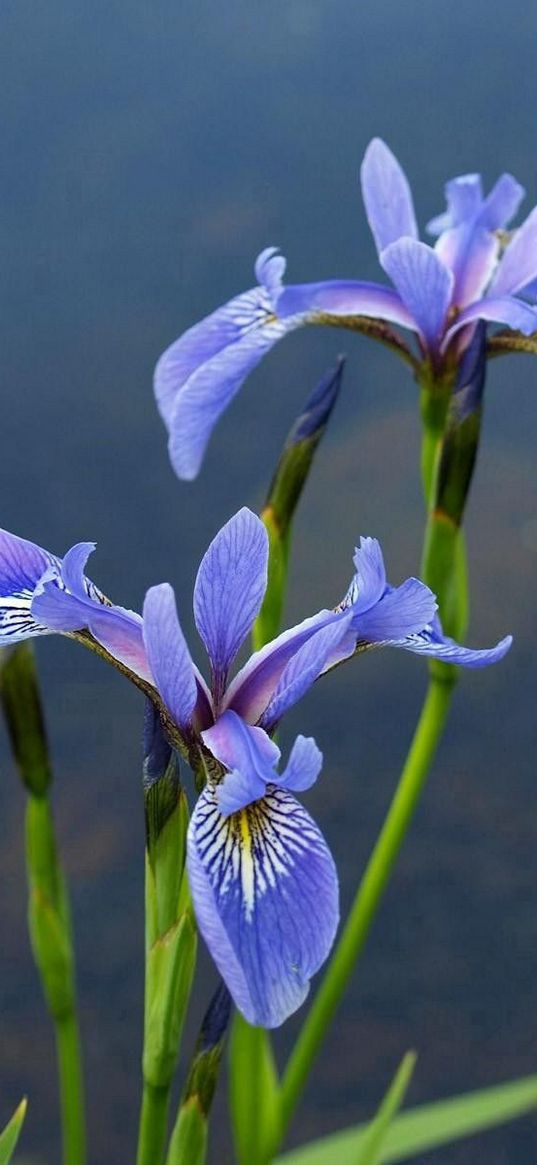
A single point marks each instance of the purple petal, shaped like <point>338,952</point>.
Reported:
<point>197,377</point>
<point>239,788</point>
<point>229,590</point>
<point>342,297</point>
<point>254,685</point>
<point>387,196</point>
<point>424,284</point>
<point>240,746</point>
<point>402,611</point>
<point>501,205</point>
<point>471,253</point>
<point>331,644</point>
<point>118,630</point>
<point>304,765</point>
<point>22,564</point>
<point>433,643</point>
<point>265,893</point>
<point>518,265</point>
<point>168,655</point>
<point>504,310</point>
<point>370,578</point>
<point>464,198</point>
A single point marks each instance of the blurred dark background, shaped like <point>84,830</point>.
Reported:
<point>149,151</point>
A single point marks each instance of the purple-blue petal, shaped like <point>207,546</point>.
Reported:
<point>387,196</point>
<point>401,611</point>
<point>501,205</point>
<point>303,767</point>
<point>424,283</point>
<point>118,630</point>
<point>254,685</point>
<point>265,893</point>
<point>518,265</point>
<point>22,564</point>
<point>169,658</point>
<point>198,376</point>
<point>342,297</point>
<point>498,310</point>
<point>464,198</point>
<point>471,253</point>
<point>370,579</point>
<point>229,590</point>
<point>433,643</point>
<point>238,745</point>
<point>331,644</point>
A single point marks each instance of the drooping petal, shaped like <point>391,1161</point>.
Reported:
<point>518,265</point>
<point>387,196</point>
<point>504,310</point>
<point>117,629</point>
<point>424,283</point>
<point>433,643</point>
<point>22,564</point>
<point>343,297</point>
<point>265,893</point>
<point>229,590</point>
<point>168,655</point>
<point>303,767</point>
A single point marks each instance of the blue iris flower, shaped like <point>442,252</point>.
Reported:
<point>438,294</point>
<point>263,882</point>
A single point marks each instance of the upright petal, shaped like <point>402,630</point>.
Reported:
<point>387,196</point>
<point>370,578</point>
<point>518,265</point>
<point>229,590</point>
<point>265,893</point>
<point>471,253</point>
<point>501,205</point>
<point>424,283</point>
<point>168,654</point>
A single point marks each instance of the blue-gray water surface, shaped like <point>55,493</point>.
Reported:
<point>149,151</point>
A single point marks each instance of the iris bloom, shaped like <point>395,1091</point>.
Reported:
<point>438,293</point>
<point>263,882</point>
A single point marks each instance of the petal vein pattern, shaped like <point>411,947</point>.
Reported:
<point>265,891</point>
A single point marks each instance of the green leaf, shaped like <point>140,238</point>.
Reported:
<point>428,1127</point>
<point>169,972</point>
<point>253,1097</point>
<point>10,1135</point>
<point>370,1152</point>
<point>189,1137</point>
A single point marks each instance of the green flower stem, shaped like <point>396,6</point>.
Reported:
<point>443,550</point>
<point>50,932</point>
<point>351,943</point>
<point>153,1125</point>
<point>71,1089</point>
<point>48,908</point>
<point>170,942</point>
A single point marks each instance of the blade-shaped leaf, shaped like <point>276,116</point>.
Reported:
<point>370,1151</point>
<point>10,1135</point>
<point>427,1127</point>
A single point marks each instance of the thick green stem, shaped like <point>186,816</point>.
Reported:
<point>153,1125</point>
<point>367,900</point>
<point>71,1090</point>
